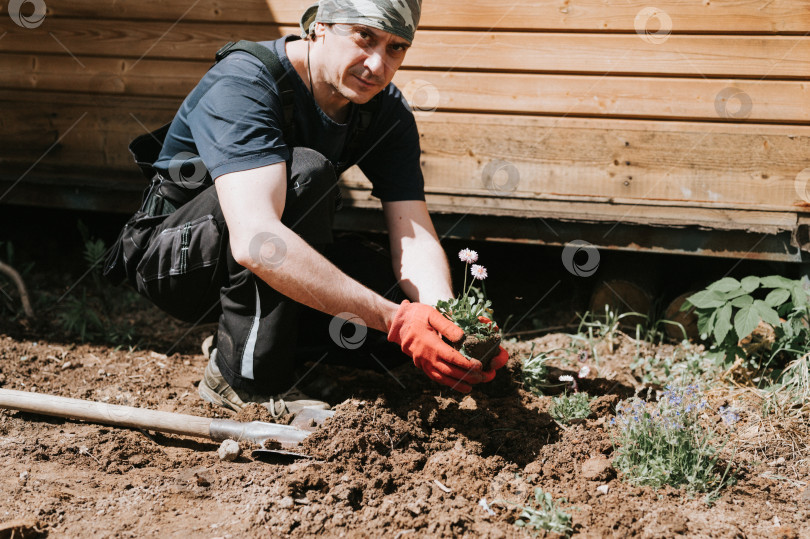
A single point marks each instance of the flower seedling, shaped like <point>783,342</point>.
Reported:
<point>472,312</point>
<point>545,515</point>
<point>565,408</point>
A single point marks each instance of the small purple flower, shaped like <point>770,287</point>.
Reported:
<point>729,416</point>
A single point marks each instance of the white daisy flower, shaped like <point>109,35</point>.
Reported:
<point>468,256</point>
<point>478,272</point>
<point>584,371</point>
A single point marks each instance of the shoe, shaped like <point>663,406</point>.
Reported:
<point>207,346</point>
<point>214,389</point>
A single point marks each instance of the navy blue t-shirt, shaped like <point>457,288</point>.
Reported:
<point>232,121</point>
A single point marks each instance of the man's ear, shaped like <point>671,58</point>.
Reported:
<point>318,31</point>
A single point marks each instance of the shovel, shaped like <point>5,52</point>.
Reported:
<point>287,437</point>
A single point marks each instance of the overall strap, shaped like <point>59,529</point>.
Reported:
<point>270,60</point>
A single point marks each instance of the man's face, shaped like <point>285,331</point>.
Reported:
<point>359,61</point>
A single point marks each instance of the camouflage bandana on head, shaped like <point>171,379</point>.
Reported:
<point>398,17</point>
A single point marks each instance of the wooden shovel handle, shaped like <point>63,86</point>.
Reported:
<point>108,414</point>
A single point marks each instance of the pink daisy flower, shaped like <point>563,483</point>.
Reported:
<point>478,272</point>
<point>468,256</point>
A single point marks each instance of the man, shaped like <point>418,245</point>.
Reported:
<point>248,249</point>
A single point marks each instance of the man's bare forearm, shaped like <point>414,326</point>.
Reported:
<point>252,202</point>
<point>307,277</point>
<point>419,261</point>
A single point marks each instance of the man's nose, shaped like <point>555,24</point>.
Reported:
<point>375,63</point>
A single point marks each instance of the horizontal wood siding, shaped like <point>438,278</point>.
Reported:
<point>695,114</point>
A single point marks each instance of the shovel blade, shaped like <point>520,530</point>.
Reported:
<point>311,418</point>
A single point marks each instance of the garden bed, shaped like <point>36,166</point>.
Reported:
<point>402,457</point>
<point>397,462</point>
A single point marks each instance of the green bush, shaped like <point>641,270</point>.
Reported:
<point>730,310</point>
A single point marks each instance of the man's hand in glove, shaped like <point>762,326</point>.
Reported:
<point>498,361</point>
<point>418,329</point>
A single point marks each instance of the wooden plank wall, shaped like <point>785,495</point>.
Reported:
<point>689,113</point>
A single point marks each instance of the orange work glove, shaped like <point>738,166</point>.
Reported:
<point>418,328</point>
<point>498,361</point>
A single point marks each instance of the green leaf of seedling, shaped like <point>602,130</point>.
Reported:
<point>726,284</point>
<point>742,301</point>
<point>777,297</point>
<point>798,295</point>
<point>776,281</point>
<point>706,299</point>
<point>703,325</point>
<point>750,283</point>
<point>766,312</point>
<point>733,294</point>
<point>723,324</point>
<point>746,320</point>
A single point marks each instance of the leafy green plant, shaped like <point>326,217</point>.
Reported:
<point>566,407</point>
<point>78,317</point>
<point>682,367</point>
<point>729,310</point>
<point>663,443</point>
<point>86,313</point>
<point>544,514</point>
<point>468,309</point>
<point>534,372</point>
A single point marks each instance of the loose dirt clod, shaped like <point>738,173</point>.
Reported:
<point>229,450</point>
<point>597,469</point>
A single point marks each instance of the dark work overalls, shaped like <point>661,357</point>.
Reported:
<point>175,251</point>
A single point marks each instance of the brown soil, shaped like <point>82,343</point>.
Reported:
<point>482,349</point>
<point>403,457</point>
